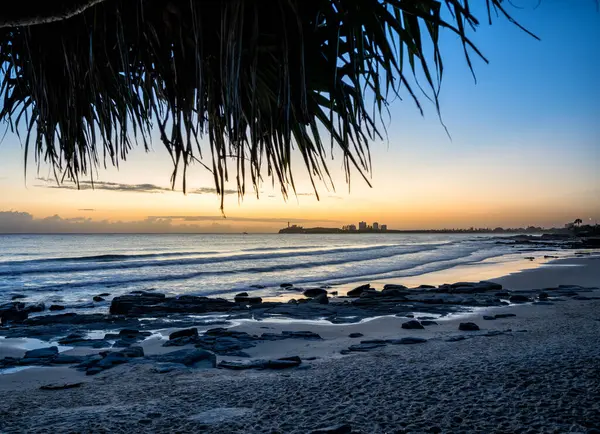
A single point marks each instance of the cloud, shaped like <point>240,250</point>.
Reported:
<point>87,209</point>
<point>23,222</point>
<point>209,190</point>
<point>122,187</point>
<point>198,218</point>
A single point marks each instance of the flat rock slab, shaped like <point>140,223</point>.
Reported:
<point>468,326</point>
<point>365,347</point>
<point>216,416</point>
<point>406,341</point>
<point>283,363</point>
<point>41,353</point>
<point>189,357</point>
<point>60,386</point>
<point>412,325</point>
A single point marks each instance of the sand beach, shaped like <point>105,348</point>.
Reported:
<point>536,369</point>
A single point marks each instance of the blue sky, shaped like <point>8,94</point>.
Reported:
<point>524,147</point>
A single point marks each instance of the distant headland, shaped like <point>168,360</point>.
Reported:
<point>363,227</point>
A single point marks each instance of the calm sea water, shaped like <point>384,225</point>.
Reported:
<point>73,268</point>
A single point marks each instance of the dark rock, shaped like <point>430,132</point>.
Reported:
<point>365,347</point>
<point>64,359</point>
<point>41,353</point>
<point>248,300</point>
<point>356,292</point>
<point>493,286</point>
<point>283,363</point>
<point>18,296</point>
<point>184,333</point>
<point>425,287</point>
<point>468,326</point>
<point>301,335</point>
<point>37,307</point>
<point>502,294</point>
<point>314,292</point>
<point>321,299</point>
<point>93,370</point>
<point>153,303</point>
<point>504,315</point>
<point>371,293</point>
<point>13,312</point>
<point>258,286</point>
<point>112,359</point>
<point>333,293</point>
<point>518,298</point>
<point>286,285</point>
<point>133,352</point>
<point>190,357</point>
<point>60,386</point>
<point>412,325</point>
<point>55,307</point>
<point>428,323</point>
<point>394,286</point>
<point>122,343</point>
<point>462,284</point>
<point>104,294</point>
<point>489,318</point>
<point>391,292</point>
<point>456,338</point>
<point>374,341</point>
<point>406,341</point>
<point>336,429</point>
<point>89,361</point>
<point>97,298</point>
<point>238,365</point>
<point>242,294</point>
<point>355,335</point>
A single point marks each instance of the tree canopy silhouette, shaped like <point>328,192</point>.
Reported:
<point>83,81</point>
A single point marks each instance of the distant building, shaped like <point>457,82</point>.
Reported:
<point>349,228</point>
<point>362,226</point>
<point>375,226</point>
<point>383,228</point>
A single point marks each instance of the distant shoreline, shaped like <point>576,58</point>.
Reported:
<point>300,230</point>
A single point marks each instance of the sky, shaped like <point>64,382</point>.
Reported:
<point>523,149</point>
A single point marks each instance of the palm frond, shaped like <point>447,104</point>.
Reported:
<point>246,81</point>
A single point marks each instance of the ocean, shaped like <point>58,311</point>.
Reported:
<point>71,269</point>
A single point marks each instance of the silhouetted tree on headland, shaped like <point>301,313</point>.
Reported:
<point>83,81</point>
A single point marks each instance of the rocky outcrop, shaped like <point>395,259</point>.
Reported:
<point>356,292</point>
<point>314,292</point>
<point>468,326</point>
<point>412,325</point>
<point>153,303</point>
<point>283,363</point>
<point>193,358</point>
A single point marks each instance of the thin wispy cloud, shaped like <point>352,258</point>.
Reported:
<point>123,187</point>
<point>201,218</point>
<point>87,209</point>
